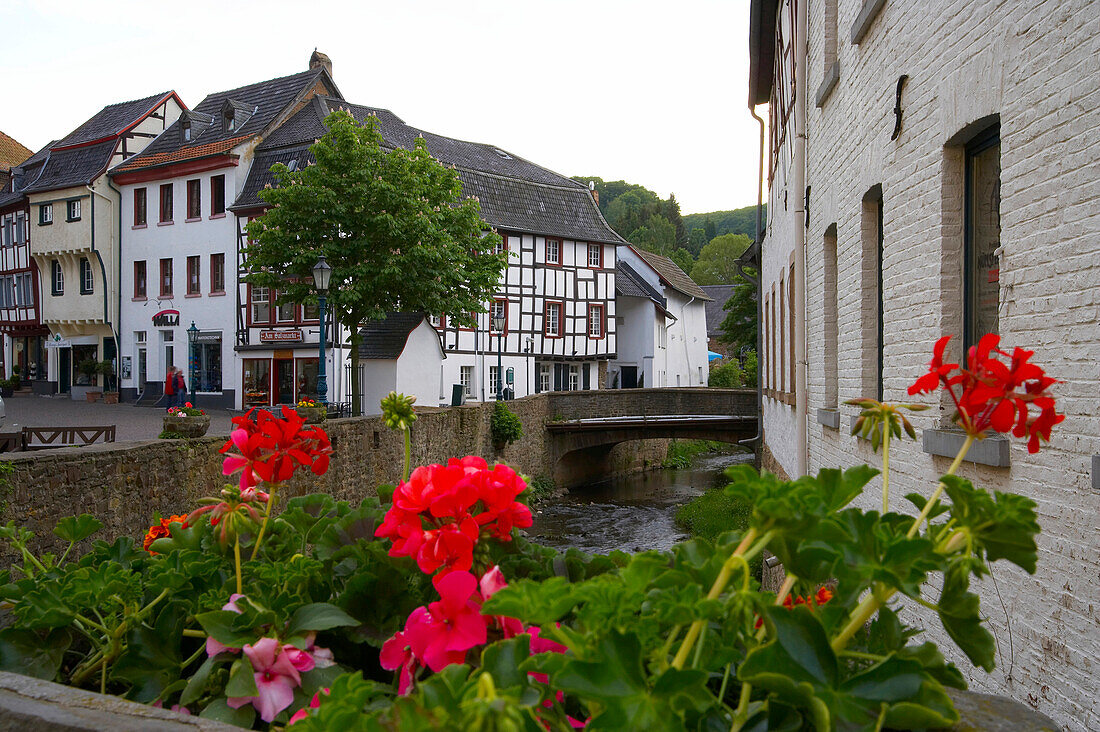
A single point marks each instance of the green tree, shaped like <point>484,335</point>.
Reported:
<point>740,324</point>
<point>683,259</point>
<point>697,241</point>
<point>737,221</point>
<point>656,235</point>
<point>717,264</point>
<point>709,228</point>
<point>671,211</point>
<point>394,226</point>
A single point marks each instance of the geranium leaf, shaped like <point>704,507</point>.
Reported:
<point>1002,526</point>
<point>539,603</point>
<point>319,616</point>
<point>959,613</point>
<point>77,528</point>
<point>196,685</point>
<point>242,680</point>
<point>502,660</point>
<point>220,711</point>
<point>919,501</point>
<point>221,625</point>
<point>152,659</point>
<point>31,653</point>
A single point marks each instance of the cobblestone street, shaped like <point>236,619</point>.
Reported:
<point>132,423</point>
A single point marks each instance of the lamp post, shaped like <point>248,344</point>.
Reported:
<point>498,323</point>
<point>321,274</point>
<point>192,361</point>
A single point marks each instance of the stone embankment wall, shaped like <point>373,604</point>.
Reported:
<point>125,484</point>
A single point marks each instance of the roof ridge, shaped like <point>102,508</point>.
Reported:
<point>225,92</point>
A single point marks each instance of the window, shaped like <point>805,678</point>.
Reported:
<point>595,321</point>
<point>6,239</point>
<point>285,311</point>
<point>58,277</point>
<point>545,383</point>
<point>494,380</point>
<point>230,120</point>
<point>501,246</point>
<point>72,210</point>
<point>311,311</point>
<point>217,273</point>
<point>832,327</point>
<point>7,291</point>
<point>662,335</point>
<point>439,322</point>
<point>166,278</point>
<point>194,199</point>
<point>872,300</point>
<point>140,289</point>
<point>553,319</point>
<point>139,336</point>
<point>466,378</point>
<point>217,195</point>
<point>574,378</point>
<point>194,286</point>
<point>553,251</point>
<point>140,214</point>
<point>186,129</point>
<point>982,242</point>
<point>45,214</point>
<point>20,229</point>
<point>86,282</point>
<point>260,297</point>
<point>166,203</point>
<point>24,290</point>
<point>207,364</point>
<point>595,255</point>
<point>498,309</point>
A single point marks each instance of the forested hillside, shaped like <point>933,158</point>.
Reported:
<point>716,223</point>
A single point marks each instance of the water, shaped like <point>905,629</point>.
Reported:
<point>633,513</point>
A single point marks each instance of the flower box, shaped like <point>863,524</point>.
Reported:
<point>187,426</point>
<point>312,415</point>
<point>110,397</point>
<point>93,396</point>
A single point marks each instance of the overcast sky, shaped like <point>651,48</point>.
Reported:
<point>652,92</point>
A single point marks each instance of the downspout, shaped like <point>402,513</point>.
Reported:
<point>755,282</point>
<point>799,186</point>
<point>103,268</point>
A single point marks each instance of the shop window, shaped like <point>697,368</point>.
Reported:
<point>257,381</point>
<point>206,365</point>
<point>982,241</point>
<point>307,378</point>
<point>82,356</point>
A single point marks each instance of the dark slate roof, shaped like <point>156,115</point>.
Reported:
<point>629,283</point>
<point>671,274</point>
<point>386,339</point>
<point>261,103</point>
<point>112,120</point>
<point>75,166</point>
<point>716,312</point>
<point>23,175</point>
<point>514,193</point>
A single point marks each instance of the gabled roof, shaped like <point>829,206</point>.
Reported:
<point>628,283</point>
<point>716,312</point>
<point>82,155</point>
<point>23,175</point>
<point>514,193</point>
<point>386,338</point>
<point>255,107</point>
<point>671,274</point>
<point>11,152</point>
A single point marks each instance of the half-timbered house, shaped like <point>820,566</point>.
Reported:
<point>19,322</point>
<point>180,252</point>
<point>74,234</point>
<point>557,294</point>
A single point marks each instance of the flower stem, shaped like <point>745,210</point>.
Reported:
<point>237,559</point>
<point>193,633</point>
<point>263,528</point>
<point>939,488</point>
<point>408,454</point>
<point>741,714</point>
<point>886,467</point>
<point>863,612</point>
<point>720,583</point>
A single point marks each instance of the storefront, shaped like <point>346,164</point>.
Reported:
<point>285,378</point>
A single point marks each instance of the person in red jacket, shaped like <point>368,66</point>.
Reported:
<point>170,388</point>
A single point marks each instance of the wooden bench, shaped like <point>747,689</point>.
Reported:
<point>41,438</point>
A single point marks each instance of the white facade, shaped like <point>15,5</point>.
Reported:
<point>1025,73</point>
<point>415,372</point>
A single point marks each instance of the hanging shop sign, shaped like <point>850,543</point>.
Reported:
<point>280,336</point>
<point>208,336</point>
<point>166,319</point>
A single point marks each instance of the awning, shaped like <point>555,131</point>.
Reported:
<point>711,355</point>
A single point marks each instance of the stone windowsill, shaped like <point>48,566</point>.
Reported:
<point>946,443</point>
<point>866,16</point>
<point>832,76</point>
<point>829,418</point>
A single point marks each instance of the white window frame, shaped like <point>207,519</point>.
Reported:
<point>58,277</point>
<point>594,308</point>
<point>574,383</point>
<point>557,251</point>
<point>72,210</point>
<point>45,213</point>
<point>494,380</point>
<point>558,310</point>
<point>546,377</point>
<point>254,301</point>
<point>597,249</point>
<point>466,379</point>
<point>502,304</point>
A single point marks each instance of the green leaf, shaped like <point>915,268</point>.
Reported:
<point>319,616</point>
<point>502,659</point>
<point>919,501</point>
<point>196,686</point>
<point>32,653</point>
<point>1002,526</point>
<point>538,603</point>
<point>223,626</point>
<point>242,680</point>
<point>959,611</point>
<point>220,711</point>
<point>77,528</point>
<point>152,659</point>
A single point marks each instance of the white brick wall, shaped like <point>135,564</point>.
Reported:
<point>1036,65</point>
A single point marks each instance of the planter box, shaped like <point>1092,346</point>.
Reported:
<point>110,397</point>
<point>312,415</point>
<point>187,426</point>
<point>93,396</point>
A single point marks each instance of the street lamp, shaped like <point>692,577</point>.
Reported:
<point>193,361</point>
<point>498,322</point>
<point>321,274</point>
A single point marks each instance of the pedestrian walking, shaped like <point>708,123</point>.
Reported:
<point>181,388</point>
<point>170,388</point>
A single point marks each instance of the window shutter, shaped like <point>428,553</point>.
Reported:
<point>585,383</point>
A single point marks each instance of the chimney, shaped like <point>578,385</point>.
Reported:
<point>320,59</point>
<point>594,192</point>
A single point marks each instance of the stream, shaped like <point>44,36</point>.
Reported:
<point>632,513</point>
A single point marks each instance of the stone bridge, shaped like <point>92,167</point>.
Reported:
<point>585,427</point>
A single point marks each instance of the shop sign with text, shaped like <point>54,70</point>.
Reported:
<point>166,319</point>
<point>280,336</point>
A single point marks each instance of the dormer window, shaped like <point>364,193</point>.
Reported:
<point>186,129</point>
<point>230,120</point>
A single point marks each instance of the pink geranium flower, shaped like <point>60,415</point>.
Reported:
<point>302,713</point>
<point>276,678</point>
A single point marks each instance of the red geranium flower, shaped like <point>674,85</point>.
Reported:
<point>159,531</point>
<point>269,449</point>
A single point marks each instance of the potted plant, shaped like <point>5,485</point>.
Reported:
<point>311,410</point>
<point>110,393</point>
<point>6,388</point>
<point>15,381</point>
<point>504,426</point>
<point>186,421</point>
<point>89,367</point>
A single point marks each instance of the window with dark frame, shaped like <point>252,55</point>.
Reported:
<point>217,195</point>
<point>140,280</point>
<point>982,237</point>
<point>72,210</point>
<point>194,283</point>
<point>595,255</point>
<point>166,278</point>
<point>58,277</point>
<point>166,203</point>
<point>217,273</point>
<point>140,207</point>
<point>194,199</point>
<point>595,321</point>
<point>498,308</point>
<point>45,214</point>
<point>87,284</point>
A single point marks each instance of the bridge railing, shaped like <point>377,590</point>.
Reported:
<point>568,405</point>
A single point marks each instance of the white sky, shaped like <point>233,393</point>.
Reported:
<point>650,91</point>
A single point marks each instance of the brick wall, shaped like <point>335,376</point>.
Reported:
<point>1036,65</point>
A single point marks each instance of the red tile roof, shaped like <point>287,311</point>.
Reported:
<point>11,152</point>
<point>185,153</point>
